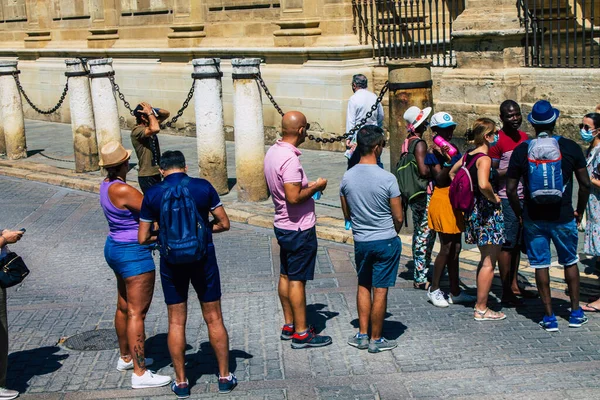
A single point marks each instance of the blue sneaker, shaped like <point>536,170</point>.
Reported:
<point>181,390</point>
<point>550,324</point>
<point>577,318</point>
<point>227,384</point>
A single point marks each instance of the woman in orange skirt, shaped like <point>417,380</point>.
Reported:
<point>442,218</point>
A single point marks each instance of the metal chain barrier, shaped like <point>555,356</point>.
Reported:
<point>121,95</point>
<point>339,138</point>
<point>173,120</point>
<point>37,109</point>
<point>55,159</point>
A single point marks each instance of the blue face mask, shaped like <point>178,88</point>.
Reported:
<point>587,136</point>
<point>495,142</point>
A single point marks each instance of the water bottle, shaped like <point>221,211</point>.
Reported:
<point>317,195</point>
<point>440,141</point>
<point>348,225</point>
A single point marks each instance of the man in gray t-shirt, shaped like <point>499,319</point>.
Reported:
<point>371,201</point>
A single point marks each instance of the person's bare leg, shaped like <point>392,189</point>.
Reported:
<point>572,279</point>
<point>506,276</point>
<point>121,319</point>
<point>284,298</point>
<point>514,269</point>
<point>440,262</point>
<point>542,281</point>
<point>363,305</point>
<point>139,295</point>
<point>378,312</point>
<point>485,274</point>
<point>176,338</point>
<point>297,296</point>
<point>217,334</point>
<point>453,264</point>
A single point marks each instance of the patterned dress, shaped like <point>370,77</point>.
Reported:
<point>592,227</point>
<point>485,224</point>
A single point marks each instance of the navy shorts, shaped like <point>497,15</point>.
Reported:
<point>203,275</point>
<point>297,253</point>
<point>128,259</point>
<point>377,262</point>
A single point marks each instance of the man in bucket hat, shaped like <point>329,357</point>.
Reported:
<point>423,237</point>
<point>546,220</point>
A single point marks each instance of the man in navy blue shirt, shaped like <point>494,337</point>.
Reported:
<point>203,275</point>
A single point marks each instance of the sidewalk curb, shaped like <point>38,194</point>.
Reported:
<point>261,215</point>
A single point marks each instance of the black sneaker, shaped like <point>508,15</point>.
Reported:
<point>227,384</point>
<point>309,339</point>
<point>287,331</point>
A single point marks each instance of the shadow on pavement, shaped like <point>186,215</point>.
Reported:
<point>534,310</point>
<point>204,362</point>
<point>391,329</point>
<point>317,317</point>
<point>31,153</point>
<point>24,365</point>
<point>158,349</point>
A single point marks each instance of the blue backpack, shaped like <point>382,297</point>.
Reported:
<point>183,235</point>
<point>545,170</point>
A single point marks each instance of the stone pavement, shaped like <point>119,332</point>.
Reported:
<point>442,353</point>
<point>55,140</point>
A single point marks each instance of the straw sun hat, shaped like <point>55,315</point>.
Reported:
<point>113,153</point>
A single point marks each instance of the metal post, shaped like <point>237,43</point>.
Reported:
<point>85,144</point>
<point>249,130</point>
<point>409,85</point>
<point>104,102</point>
<point>11,108</point>
<point>210,134</point>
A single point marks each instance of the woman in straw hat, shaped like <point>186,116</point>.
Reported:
<point>131,262</point>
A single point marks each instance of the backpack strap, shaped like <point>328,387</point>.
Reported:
<point>412,145</point>
<point>474,160</point>
<point>185,181</point>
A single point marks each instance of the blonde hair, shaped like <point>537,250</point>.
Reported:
<point>480,129</point>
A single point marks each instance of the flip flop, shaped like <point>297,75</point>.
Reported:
<point>588,308</point>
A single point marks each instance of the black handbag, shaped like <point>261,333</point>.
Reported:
<point>12,270</point>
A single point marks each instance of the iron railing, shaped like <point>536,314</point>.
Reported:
<point>561,33</point>
<point>400,29</point>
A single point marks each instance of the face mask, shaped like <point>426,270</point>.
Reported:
<point>587,136</point>
<point>495,142</point>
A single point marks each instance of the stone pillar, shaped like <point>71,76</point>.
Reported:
<point>12,112</point>
<point>85,144</point>
<point>210,134</point>
<point>249,131</point>
<point>410,85</point>
<point>106,112</point>
<point>299,24</point>
<point>487,36</point>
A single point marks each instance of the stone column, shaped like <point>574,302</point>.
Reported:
<point>210,134</point>
<point>410,85</point>
<point>106,112</point>
<point>249,131</point>
<point>85,144</point>
<point>12,112</point>
<point>487,36</point>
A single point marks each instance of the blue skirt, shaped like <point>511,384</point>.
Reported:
<point>128,259</point>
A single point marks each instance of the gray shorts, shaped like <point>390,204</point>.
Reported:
<point>513,231</point>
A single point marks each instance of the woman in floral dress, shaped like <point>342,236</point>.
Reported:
<point>484,226</point>
<point>589,131</point>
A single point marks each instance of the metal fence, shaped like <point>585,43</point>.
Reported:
<point>561,33</point>
<point>408,28</point>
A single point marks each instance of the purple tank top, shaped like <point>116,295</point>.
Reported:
<point>123,224</point>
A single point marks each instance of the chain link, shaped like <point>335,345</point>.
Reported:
<point>339,138</point>
<point>173,120</point>
<point>37,109</point>
<point>55,159</point>
<point>121,95</point>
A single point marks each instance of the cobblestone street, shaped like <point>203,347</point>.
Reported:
<point>442,353</point>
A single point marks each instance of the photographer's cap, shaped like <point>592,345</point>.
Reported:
<point>441,119</point>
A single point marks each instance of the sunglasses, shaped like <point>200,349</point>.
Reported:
<point>307,127</point>
<point>586,127</point>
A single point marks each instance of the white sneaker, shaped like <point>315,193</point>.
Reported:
<point>437,298</point>
<point>462,298</point>
<point>7,394</point>
<point>149,380</point>
<point>124,366</point>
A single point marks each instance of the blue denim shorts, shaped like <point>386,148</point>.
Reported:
<point>128,259</point>
<point>538,235</point>
<point>377,262</point>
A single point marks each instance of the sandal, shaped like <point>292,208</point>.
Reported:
<point>488,315</point>
<point>422,286</point>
